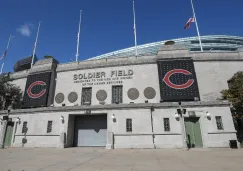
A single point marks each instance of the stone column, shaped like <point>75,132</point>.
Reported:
<point>110,143</point>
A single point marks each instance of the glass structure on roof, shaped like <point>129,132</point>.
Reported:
<point>210,43</point>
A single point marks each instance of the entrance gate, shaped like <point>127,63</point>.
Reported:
<point>8,135</point>
<point>193,132</point>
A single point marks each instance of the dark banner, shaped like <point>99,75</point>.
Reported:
<point>178,80</point>
<point>36,90</point>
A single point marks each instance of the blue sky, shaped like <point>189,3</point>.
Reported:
<point>107,25</point>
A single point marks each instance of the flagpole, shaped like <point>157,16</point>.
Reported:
<point>2,69</point>
<point>199,37</point>
<point>33,56</point>
<point>135,29</point>
<point>5,54</point>
<point>78,37</point>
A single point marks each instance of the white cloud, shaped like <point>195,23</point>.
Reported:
<point>24,30</point>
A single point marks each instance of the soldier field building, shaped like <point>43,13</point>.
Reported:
<point>166,97</point>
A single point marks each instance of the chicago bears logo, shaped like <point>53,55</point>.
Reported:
<point>167,81</point>
<point>35,96</point>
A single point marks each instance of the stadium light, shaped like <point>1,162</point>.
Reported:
<point>62,119</point>
<point>113,116</point>
<point>208,115</point>
<point>177,116</point>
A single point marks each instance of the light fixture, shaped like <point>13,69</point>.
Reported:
<point>5,118</point>
<point>184,111</point>
<point>177,116</point>
<point>208,114</point>
<point>18,120</point>
<point>61,118</point>
<point>113,116</point>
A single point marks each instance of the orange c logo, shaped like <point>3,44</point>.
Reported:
<point>167,81</point>
<point>35,96</point>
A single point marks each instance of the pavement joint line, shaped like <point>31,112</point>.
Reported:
<point>63,161</point>
<point>90,160</point>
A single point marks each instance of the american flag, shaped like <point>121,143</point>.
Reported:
<point>188,24</point>
<point>4,54</point>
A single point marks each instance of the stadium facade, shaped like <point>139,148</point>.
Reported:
<point>167,97</point>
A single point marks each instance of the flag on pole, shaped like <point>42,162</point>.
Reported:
<point>188,24</point>
<point>195,20</point>
<point>4,55</point>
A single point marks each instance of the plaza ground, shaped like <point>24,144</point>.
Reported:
<point>99,159</point>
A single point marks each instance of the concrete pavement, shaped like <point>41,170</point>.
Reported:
<point>99,159</point>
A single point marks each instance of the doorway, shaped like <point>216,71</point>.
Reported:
<point>193,132</point>
<point>8,134</point>
<point>90,130</point>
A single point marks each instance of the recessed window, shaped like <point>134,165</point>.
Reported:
<point>129,125</point>
<point>86,96</point>
<point>24,128</point>
<point>166,124</point>
<point>49,126</point>
<point>219,122</point>
<point>116,94</point>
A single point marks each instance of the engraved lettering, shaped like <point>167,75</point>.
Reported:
<point>130,72</point>
<point>97,74</point>
<point>102,74</point>
<point>90,75</point>
<point>75,77</point>
<point>80,76</point>
<point>119,73</point>
<point>113,73</point>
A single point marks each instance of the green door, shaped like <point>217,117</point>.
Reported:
<point>8,135</point>
<point>193,132</point>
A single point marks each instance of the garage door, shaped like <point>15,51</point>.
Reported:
<point>90,130</point>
